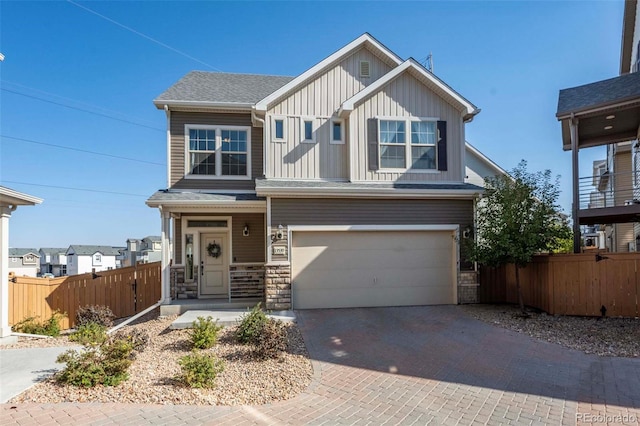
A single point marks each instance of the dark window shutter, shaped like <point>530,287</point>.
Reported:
<point>372,144</point>
<point>442,146</point>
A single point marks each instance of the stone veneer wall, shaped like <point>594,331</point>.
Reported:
<point>467,287</point>
<point>278,286</point>
<point>247,281</point>
<point>178,288</point>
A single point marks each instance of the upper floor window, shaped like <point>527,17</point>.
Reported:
<point>278,129</point>
<point>415,151</point>
<point>97,259</point>
<point>337,131</point>
<point>217,151</point>
<point>307,129</point>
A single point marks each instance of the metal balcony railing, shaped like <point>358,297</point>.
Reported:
<point>609,190</point>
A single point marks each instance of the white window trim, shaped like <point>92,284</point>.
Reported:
<point>314,127</point>
<point>407,143</point>
<point>275,118</point>
<point>218,152</point>
<point>341,141</point>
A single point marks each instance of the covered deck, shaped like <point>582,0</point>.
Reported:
<point>601,113</point>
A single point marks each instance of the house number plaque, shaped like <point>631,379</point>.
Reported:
<point>279,250</point>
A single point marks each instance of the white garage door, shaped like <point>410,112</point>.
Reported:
<point>372,268</point>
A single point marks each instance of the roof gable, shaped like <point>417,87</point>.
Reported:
<point>85,250</point>
<point>429,79</point>
<point>20,252</point>
<point>364,40</point>
<point>473,151</point>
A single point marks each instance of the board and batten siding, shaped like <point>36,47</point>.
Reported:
<point>249,249</point>
<point>320,98</point>
<point>337,211</point>
<point>406,97</point>
<point>178,121</point>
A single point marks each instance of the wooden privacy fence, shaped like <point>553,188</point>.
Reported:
<point>569,284</point>
<point>126,291</point>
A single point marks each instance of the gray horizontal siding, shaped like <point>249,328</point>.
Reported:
<point>288,211</point>
<point>180,119</point>
<point>245,249</point>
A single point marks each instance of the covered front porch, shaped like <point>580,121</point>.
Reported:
<point>213,251</point>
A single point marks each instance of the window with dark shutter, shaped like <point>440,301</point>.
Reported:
<point>372,139</point>
<point>442,145</point>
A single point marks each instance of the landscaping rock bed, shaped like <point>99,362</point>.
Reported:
<point>593,335</point>
<point>245,380</point>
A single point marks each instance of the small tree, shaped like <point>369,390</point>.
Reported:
<point>518,217</point>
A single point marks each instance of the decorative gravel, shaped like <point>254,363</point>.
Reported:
<point>245,380</point>
<point>618,337</point>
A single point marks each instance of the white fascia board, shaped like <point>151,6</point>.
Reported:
<point>263,105</point>
<point>369,193</point>
<point>349,104</point>
<point>486,160</point>
<point>240,106</point>
<point>334,228</point>
<point>11,197</point>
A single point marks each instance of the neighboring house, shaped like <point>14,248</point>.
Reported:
<point>82,259</point>
<point>341,187</point>
<point>10,200</point>
<point>147,250</point>
<point>24,262</point>
<point>53,261</point>
<point>608,113</point>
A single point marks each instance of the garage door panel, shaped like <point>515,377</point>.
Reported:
<point>372,268</point>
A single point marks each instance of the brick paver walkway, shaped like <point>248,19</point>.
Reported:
<point>418,365</point>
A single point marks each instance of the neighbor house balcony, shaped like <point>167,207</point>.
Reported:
<point>609,198</point>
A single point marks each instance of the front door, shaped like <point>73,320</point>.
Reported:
<point>214,265</point>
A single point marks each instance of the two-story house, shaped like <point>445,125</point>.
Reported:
<point>24,262</point>
<point>146,250</point>
<point>608,113</point>
<point>82,259</point>
<point>341,187</point>
<point>53,261</point>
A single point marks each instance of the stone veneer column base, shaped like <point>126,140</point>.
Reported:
<point>277,286</point>
<point>467,287</point>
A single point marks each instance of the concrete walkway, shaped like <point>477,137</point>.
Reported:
<point>417,365</point>
<point>225,317</point>
<point>22,368</point>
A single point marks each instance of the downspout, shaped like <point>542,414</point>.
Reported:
<point>254,118</point>
<point>167,111</point>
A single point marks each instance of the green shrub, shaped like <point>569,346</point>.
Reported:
<point>106,364</point>
<point>99,314</point>
<point>200,370</point>
<point>31,325</point>
<point>251,324</point>
<point>204,333</point>
<point>90,333</point>
<point>138,338</point>
<point>272,340</point>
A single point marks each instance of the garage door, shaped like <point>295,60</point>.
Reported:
<point>372,268</point>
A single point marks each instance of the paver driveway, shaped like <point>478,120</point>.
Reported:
<point>412,365</point>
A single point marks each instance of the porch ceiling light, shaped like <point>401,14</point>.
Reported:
<point>608,127</point>
<point>610,117</point>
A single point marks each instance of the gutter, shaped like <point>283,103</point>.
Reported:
<point>368,193</point>
<point>240,106</point>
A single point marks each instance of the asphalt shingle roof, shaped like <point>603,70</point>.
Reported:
<point>82,250</point>
<point>599,93</point>
<point>293,184</point>
<point>54,250</point>
<point>165,195</point>
<point>19,252</point>
<point>201,86</point>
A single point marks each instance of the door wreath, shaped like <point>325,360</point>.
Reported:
<point>214,250</point>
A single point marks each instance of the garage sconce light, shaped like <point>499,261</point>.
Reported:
<point>466,233</point>
<point>279,233</point>
<point>245,231</point>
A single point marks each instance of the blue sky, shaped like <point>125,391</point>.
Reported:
<point>73,78</point>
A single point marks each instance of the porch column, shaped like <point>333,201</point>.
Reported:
<point>576,184</point>
<point>165,264</point>
<point>5,214</point>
